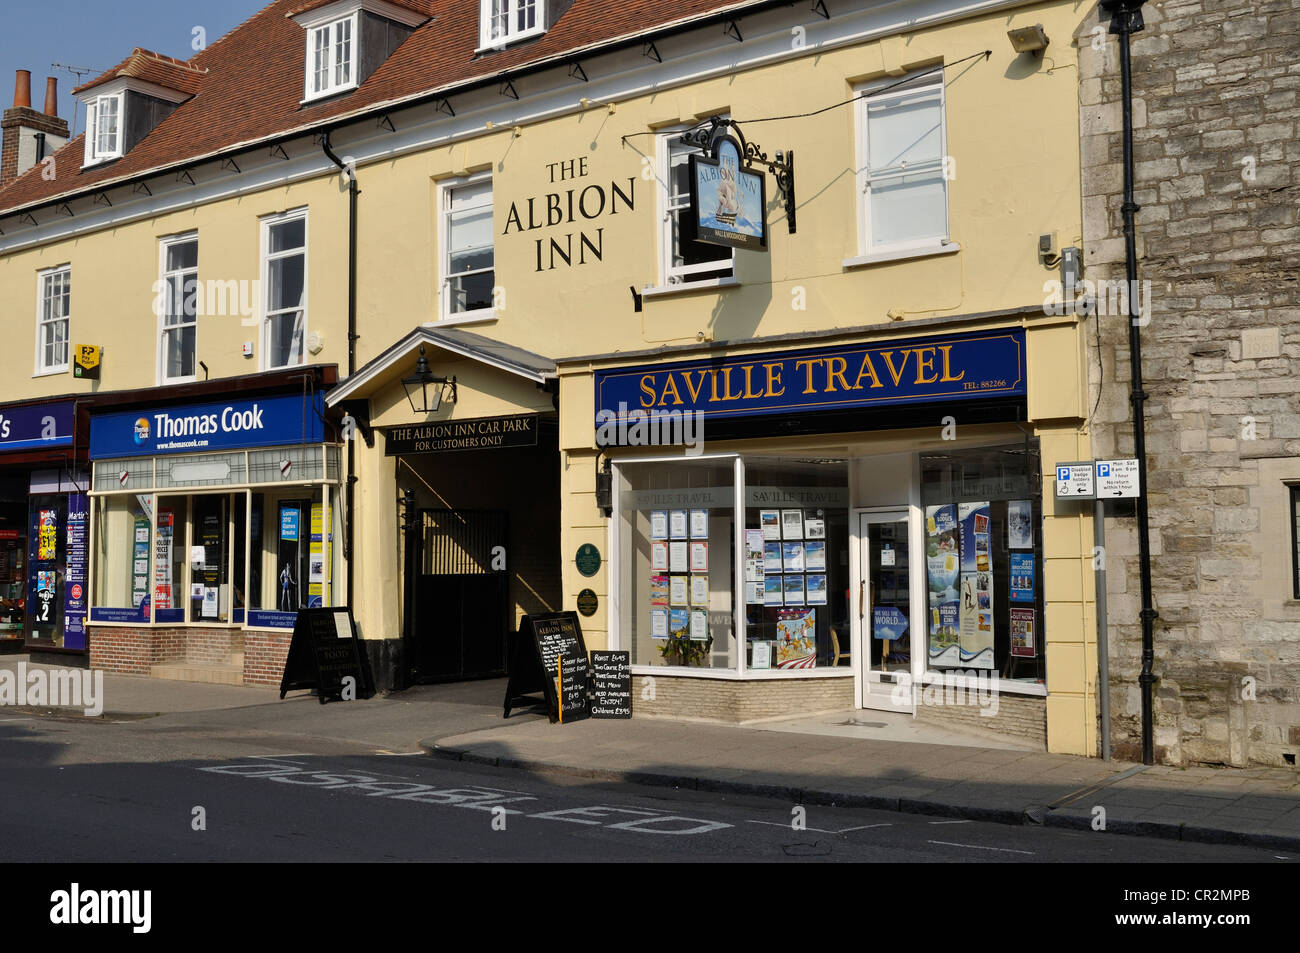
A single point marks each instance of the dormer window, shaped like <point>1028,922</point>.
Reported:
<point>505,21</point>
<point>331,58</point>
<point>104,129</point>
<point>347,40</point>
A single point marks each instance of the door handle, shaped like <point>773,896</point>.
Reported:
<point>862,605</point>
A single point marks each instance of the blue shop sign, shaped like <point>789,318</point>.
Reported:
<point>890,373</point>
<point>36,426</point>
<point>194,428</point>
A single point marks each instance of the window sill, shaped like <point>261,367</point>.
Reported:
<point>473,317</point>
<point>327,94</point>
<point>901,254</point>
<point>506,41</point>
<point>712,284</point>
<point>51,371</point>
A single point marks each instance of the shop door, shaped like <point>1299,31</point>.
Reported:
<point>884,600</point>
<point>462,597</point>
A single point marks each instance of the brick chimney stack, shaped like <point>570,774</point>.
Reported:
<point>27,136</point>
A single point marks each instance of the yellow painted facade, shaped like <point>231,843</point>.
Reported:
<point>1011,131</point>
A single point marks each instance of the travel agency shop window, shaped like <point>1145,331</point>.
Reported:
<point>216,513</point>
<point>794,549</point>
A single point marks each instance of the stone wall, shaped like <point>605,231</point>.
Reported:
<point>1215,88</point>
<point>739,700</point>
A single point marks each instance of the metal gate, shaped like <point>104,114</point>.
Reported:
<point>461,596</point>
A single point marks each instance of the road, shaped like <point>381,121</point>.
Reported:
<point>185,789</point>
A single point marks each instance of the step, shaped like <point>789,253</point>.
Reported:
<point>212,673</point>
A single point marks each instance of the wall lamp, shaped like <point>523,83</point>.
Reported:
<point>1028,39</point>
<point>424,398</point>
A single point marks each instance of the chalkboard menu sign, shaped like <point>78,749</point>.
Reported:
<point>534,667</point>
<point>611,685</point>
<point>324,652</point>
<point>575,681</point>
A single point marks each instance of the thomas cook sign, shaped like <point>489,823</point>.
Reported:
<point>482,433</point>
<point>956,367</point>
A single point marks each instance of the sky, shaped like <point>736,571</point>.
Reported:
<point>100,34</point>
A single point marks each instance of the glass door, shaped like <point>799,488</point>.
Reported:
<point>885,608</point>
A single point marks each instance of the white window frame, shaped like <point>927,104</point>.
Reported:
<point>164,245</point>
<point>42,277</point>
<point>867,96</point>
<point>94,109</point>
<point>332,86</point>
<point>512,34</point>
<point>445,314</point>
<point>680,275</point>
<point>264,310</point>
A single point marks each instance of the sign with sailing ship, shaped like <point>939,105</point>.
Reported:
<point>728,199</point>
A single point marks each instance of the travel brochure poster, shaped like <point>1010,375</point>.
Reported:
<point>976,645</point>
<point>943,568</point>
<point>1022,633</point>
<point>1022,577</point>
<point>796,638</point>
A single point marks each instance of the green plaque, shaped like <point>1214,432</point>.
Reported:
<point>587,602</point>
<point>588,559</point>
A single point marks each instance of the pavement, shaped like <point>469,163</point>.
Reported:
<point>852,759</point>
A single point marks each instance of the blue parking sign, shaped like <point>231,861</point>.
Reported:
<point>1063,473</point>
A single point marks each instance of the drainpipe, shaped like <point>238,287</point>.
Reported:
<point>353,192</point>
<point>1126,19</point>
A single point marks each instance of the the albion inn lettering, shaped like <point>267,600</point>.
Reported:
<point>565,208</point>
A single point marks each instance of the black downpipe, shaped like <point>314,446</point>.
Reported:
<point>353,192</point>
<point>1126,19</point>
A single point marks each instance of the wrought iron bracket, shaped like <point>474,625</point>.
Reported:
<point>781,167</point>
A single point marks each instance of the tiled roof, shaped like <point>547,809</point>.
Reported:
<point>253,84</point>
<point>419,6</point>
<point>154,68</point>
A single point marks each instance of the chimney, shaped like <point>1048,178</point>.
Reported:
<point>22,127</point>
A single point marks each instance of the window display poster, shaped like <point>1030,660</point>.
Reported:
<point>772,593</point>
<point>677,559</point>
<point>677,591</point>
<point>792,524</point>
<point>1020,524</point>
<point>699,557</point>
<point>814,528</point>
<point>677,524</point>
<point>140,582</point>
<point>1022,633</point>
<point>814,556</point>
<point>977,619</point>
<point>770,521</point>
<point>659,623</point>
<point>47,539</point>
<point>289,524</point>
<point>796,638</point>
<point>754,593</point>
<point>1022,577</point>
<point>816,589</point>
<point>209,602</point>
<point>753,555</point>
<point>771,557</point>
<point>74,608</point>
<point>762,655</point>
<point>699,625</point>
<point>679,621</point>
<point>943,566</point>
<point>974,519</point>
<point>699,524</point>
<point>162,560</point>
<point>792,590</point>
<point>792,557</point>
<point>659,590</point>
<point>212,526</point>
<point>316,559</point>
<point>888,622</point>
<point>659,557</point>
<point>658,524</point>
<point>699,590</point>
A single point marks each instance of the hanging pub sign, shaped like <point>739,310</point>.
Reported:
<point>728,198</point>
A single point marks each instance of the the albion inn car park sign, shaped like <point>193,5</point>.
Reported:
<point>482,433</point>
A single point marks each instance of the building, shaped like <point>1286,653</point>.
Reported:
<point>476,218</point>
<point>1215,124</point>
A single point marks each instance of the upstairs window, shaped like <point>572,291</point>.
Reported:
<point>104,129</point>
<point>284,276</point>
<point>902,175</point>
<point>468,266</point>
<point>504,21</point>
<point>685,260</point>
<point>52,319</point>
<point>180,286</point>
<point>331,60</point>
